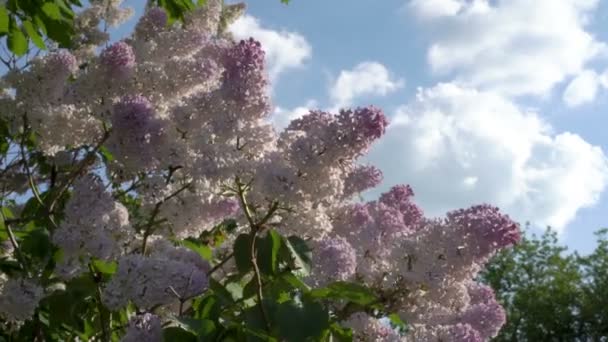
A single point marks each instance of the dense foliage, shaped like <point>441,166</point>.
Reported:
<point>550,294</point>
<point>144,194</point>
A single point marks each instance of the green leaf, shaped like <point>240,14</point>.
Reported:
<point>40,24</point>
<point>52,11</point>
<point>297,254</point>
<point>106,154</point>
<point>295,282</point>
<point>37,243</point>
<point>268,252</point>
<point>67,306</point>
<point>202,250</point>
<point>351,292</point>
<point>341,334</point>
<point>3,20</point>
<point>207,307</point>
<point>242,253</point>
<point>221,292</point>
<point>105,267</point>
<point>397,322</point>
<point>299,322</point>
<point>178,334</point>
<point>17,42</point>
<point>60,31</point>
<point>31,30</point>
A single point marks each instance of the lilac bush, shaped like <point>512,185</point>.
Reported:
<point>160,202</point>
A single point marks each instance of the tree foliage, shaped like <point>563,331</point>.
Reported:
<point>550,294</point>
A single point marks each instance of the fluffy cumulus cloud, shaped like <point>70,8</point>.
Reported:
<point>459,146</point>
<point>365,79</point>
<point>515,47</point>
<point>582,89</point>
<point>284,49</point>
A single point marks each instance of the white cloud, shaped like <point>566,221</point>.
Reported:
<point>284,49</point>
<point>515,47</point>
<point>458,146</point>
<point>366,78</point>
<point>281,117</point>
<point>431,9</point>
<point>582,89</point>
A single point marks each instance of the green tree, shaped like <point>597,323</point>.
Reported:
<point>550,294</point>
<point>594,311</point>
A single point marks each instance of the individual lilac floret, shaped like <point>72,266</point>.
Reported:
<point>335,259</point>
<point>119,59</point>
<point>492,229</point>
<point>144,328</point>
<point>135,132</point>
<point>362,178</point>
<point>245,80</point>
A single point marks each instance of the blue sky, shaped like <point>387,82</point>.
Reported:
<point>498,101</point>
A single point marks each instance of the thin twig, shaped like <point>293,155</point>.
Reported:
<point>221,263</point>
<point>105,323</point>
<point>151,221</point>
<point>254,232</point>
<point>14,243</point>
<point>82,165</point>
<point>258,278</point>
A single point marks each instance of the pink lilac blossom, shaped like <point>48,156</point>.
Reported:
<point>119,59</point>
<point>361,178</point>
<point>153,22</point>
<point>487,319</point>
<point>159,279</point>
<point>94,226</point>
<point>368,329</point>
<point>335,258</point>
<point>136,133</point>
<point>245,80</point>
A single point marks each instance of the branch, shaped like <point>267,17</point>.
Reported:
<point>104,322</point>
<point>258,278</point>
<point>82,165</point>
<point>221,263</point>
<point>14,243</point>
<point>151,221</point>
<point>255,229</point>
